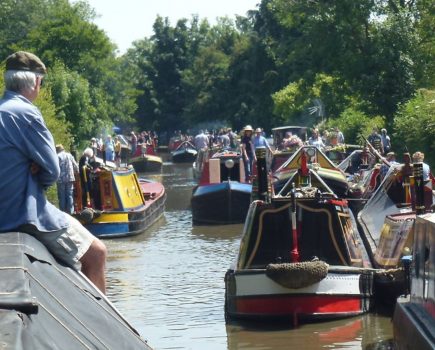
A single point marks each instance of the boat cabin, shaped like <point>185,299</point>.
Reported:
<point>325,232</point>
<point>107,189</point>
<point>222,166</point>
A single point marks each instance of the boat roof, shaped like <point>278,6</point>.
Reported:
<point>320,158</point>
<point>46,305</point>
<point>289,127</point>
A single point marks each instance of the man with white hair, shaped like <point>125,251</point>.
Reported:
<point>30,165</point>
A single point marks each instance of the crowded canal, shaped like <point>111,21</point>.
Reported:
<point>168,282</point>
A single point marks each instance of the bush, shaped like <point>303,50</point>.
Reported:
<point>355,124</point>
<point>414,125</point>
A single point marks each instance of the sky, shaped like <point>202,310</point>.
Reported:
<point>125,21</point>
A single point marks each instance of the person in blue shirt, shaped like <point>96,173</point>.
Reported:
<point>29,166</point>
<point>261,141</point>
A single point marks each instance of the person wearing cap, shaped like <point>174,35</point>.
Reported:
<point>30,165</point>
<point>65,183</point>
<point>248,151</point>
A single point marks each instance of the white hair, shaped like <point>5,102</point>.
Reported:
<point>88,152</point>
<point>20,80</point>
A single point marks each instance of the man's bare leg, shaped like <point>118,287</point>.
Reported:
<point>94,264</point>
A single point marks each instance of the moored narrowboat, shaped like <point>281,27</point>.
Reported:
<point>414,315</point>
<point>221,197</point>
<point>386,223</point>
<point>118,203</point>
<point>184,153</point>
<point>47,305</point>
<point>300,256</point>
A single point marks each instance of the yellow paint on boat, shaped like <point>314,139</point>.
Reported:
<point>111,217</point>
<point>128,189</point>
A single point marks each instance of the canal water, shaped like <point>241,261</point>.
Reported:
<point>168,282</point>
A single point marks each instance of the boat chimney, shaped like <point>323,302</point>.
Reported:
<point>304,172</point>
<point>260,153</point>
<point>417,169</point>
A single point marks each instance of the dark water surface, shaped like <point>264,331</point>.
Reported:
<point>169,284</point>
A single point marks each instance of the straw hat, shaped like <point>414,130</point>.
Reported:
<point>248,128</point>
<point>258,130</point>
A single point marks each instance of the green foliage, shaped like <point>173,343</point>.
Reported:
<point>346,63</point>
<point>307,103</point>
<point>71,94</point>
<point>206,82</point>
<point>90,88</point>
<point>290,101</point>
<point>414,125</point>
<point>355,125</point>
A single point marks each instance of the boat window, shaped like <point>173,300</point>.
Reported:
<point>233,173</point>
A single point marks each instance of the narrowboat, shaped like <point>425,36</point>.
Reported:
<point>222,196</point>
<point>146,160</point>
<point>184,153</point>
<point>47,305</point>
<point>414,314</point>
<point>117,203</point>
<point>386,223</point>
<point>300,257</point>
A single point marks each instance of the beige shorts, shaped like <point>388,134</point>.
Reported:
<point>68,245</point>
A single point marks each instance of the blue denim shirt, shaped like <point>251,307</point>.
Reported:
<point>25,139</point>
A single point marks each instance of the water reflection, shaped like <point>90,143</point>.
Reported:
<point>169,284</point>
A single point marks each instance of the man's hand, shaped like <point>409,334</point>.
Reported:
<point>34,168</point>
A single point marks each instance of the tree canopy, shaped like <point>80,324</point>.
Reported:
<point>345,63</point>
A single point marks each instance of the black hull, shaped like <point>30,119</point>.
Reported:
<point>183,157</point>
<point>220,207</point>
<point>144,166</point>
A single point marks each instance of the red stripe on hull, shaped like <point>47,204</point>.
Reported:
<point>307,305</point>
